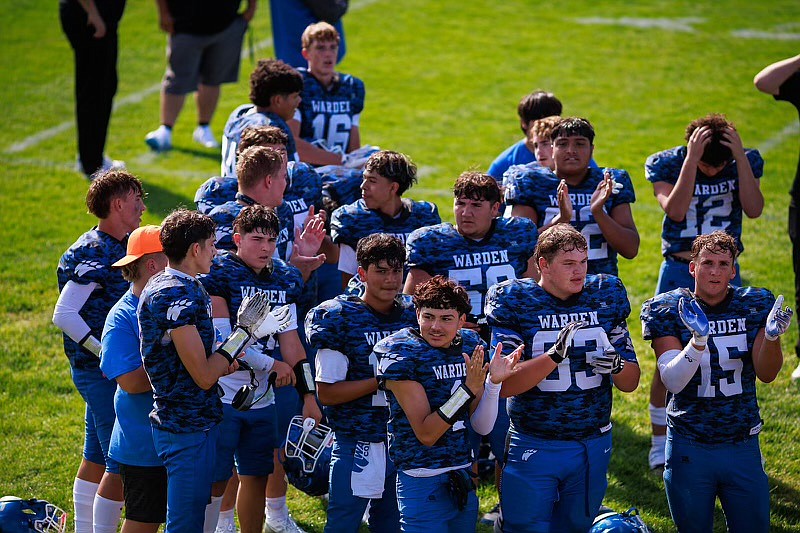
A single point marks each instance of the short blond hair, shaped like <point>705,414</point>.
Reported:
<point>319,31</point>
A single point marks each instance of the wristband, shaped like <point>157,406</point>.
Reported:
<point>304,382</point>
<point>92,344</point>
<point>617,369</point>
<point>454,406</point>
<point>234,344</point>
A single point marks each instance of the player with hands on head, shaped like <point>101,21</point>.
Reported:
<point>572,328</point>
<point>433,388</point>
<point>711,344</point>
<point>701,187</point>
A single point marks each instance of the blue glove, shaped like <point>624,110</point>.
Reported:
<point>695,320</point>
<point>778,320</point>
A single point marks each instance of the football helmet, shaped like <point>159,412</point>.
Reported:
<point>610,521</point>
<point>23,516</point>
<point>307,455</point>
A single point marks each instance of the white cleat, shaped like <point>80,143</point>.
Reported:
<point>796,373</point>
<point>159,140</point>
<point>281,525</point>
<point>657,456</point>
<point>108,164</point>
<point>202,135</point>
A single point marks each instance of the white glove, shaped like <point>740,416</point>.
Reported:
<point>778,320</point>
<point>275,322</point>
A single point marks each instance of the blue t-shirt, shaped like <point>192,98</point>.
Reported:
<point>348,325</point>
<point>536,187</point>
<point>87,261</point>
<point>406,356</point>
<point>476,265</point>
<point>132,437</point>
<point>572,402</point>
<point>715,202</point>
<point>719,403</point>
<point>171,300</point>
<point>329,114</point>
<point>243,117</point>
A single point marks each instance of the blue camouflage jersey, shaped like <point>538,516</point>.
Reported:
<point>171,300</point>
<point>476,265</point>
<point>243,117</point>
<point>224,215</point>
<point>231,279</point>
<point>715,203</point>
<point>406,356</point>
<point>349,326</point>
<point>215,191</point>
<point>535,186</point>
<point>340,185</point>
<point>572,402</point>
<point>329,114</point>
<point>719,402</point>
<point>87,261</point>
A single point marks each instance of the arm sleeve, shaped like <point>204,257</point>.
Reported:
<point>331,366</point>
<point>66,313</point>
<point>678,367</point>
<point>485,415</point>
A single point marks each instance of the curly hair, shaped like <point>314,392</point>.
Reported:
<point>181,229</point>
<point>261,136</point>
<point>717,242</point>
<point>440,292</point>
<point>108,186</point>
<point>477,186</point>
<point>543,128</point>
<point>273,77</point>
<point>393,166</point>
<point>257,217</point>
<point>378,247</point>
<point>715,153</point>
<point>558,238</point>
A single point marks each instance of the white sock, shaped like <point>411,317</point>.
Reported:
<point>106,514</point>
<point>276,508</point>
<point>226,520</point>
<point>659,440</point>
<point>83,497</point>
<point>212,514</point>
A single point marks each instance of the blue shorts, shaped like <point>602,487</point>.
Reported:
<point>553,485</point>
<point>426,505</point>
<point>98,393</point>
<point>189,459</point>
<point>695,474</point>
<point>674,274</point>
<point>344,509</point>
<point>249,438</point>
<point>496,438</point>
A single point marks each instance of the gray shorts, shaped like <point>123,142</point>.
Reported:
<point>207,59</point>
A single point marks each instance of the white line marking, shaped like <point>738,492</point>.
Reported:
<point>766,35</point>
<point>679,24</point>
<point>793,128</point>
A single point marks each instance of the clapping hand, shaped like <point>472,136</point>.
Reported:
<point>501,367</point>
<point>476,370</point>
<point>559,351</point>
<point>778,320</point>
<point>695,320</point>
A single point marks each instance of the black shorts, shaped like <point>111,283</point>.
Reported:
<point>145,490</point>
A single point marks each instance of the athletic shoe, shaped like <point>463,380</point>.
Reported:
<point>278,525</point>
<point>108,164</point>
<point>796,373</point>
<point>230,528</point>
<point>159,140</point>
<point>491,517</point>
<point>202,135</point>
<point>657,456</point>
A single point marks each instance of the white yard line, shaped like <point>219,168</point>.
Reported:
<point>791,129</point>
<point>678,24</point>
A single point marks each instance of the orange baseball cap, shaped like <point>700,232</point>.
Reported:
<point>142,241</point>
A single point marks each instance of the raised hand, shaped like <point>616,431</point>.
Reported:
<point>559,351</point>
<point>476,370</point>
<point>695,320</point>
<point>602,192</point>
<point>564,202</point>
<point>778,320</point>
<point>731,139</point>
<point>308,239</point>
<point>501,367</point>
<point>608,362</point>
<point>276,321</point>
<point>697,143</point>
<point>253,311</point>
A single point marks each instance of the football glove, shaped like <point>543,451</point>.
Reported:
<point>778,320</point>
<point>276,321</point>
<point>558,351</point>
<point>609,362</point>
<point>358,158</point>
<point>695,320</point>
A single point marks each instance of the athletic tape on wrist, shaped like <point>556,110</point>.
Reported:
<point>92,344</point>
<point>452,408</point>
<point>305,383</point>
<point>234,344</point>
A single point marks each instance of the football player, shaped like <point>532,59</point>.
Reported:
<point>381,209</point>
<point>251,436</point>
<point>435,387</point>
<point>539,137</point>
<point>274,95</point>
<point>703,186</point>
<point>88,288</point>
<point>183,366</point>
<point>143,475</point>
<point>711,345</point>
<point>577,345</point>
<point>331,101</point>
<point>594,200</point>
<point>343,331</point>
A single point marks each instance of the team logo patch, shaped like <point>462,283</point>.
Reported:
<point>175,309</point>
<point>527,454</point>
<point>361,457</point>
<point>84,267</point>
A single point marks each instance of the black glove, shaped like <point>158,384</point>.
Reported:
<point>558,352</point>
<point>460,485</point>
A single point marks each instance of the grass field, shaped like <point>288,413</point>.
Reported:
<point>443,80</point>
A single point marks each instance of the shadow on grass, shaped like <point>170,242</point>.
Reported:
<point>207,153</point>
<point>161,201</point>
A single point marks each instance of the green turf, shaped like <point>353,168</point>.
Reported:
<point>443,80</point>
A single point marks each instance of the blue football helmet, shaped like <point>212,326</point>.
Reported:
<point>24,516</point>
<point>610,521</point>
<point>307,455</point>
